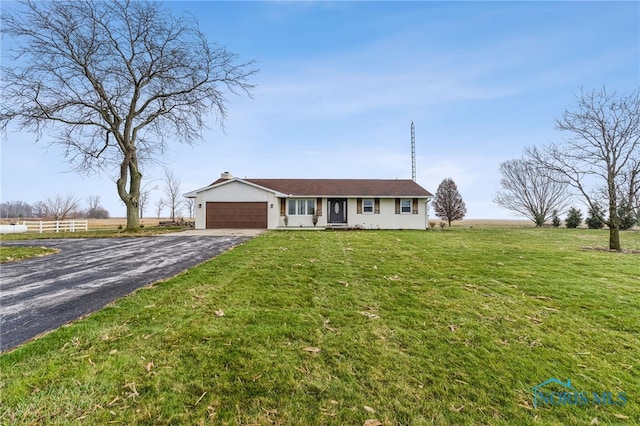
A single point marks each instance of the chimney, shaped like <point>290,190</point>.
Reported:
<point>226,175</point>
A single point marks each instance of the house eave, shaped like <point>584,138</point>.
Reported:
<point>193,194</point>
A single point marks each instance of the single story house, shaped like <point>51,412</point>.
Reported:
<point>231,202</point>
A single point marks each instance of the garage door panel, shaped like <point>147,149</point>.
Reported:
<point>249,215</point>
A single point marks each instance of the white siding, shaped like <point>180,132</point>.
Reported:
<point>387,219</point>
<point>304,221</point>
<point>236,192</point>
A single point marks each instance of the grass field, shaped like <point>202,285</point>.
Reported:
<point>344,328</point>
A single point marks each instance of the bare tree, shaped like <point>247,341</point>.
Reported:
<point>39,209</point>
<point>601,159</point>
<point>95,210</point>
<point>93,201</point>
<point>448,204</point>
<point>190,204</point>
<point>160,205</point>
<point>15,209</point>
<point>61,207</point>
<point>172,191</point>
<point>142,204</point>
<point>114,81</point>
<point>144,196</point>
<point>531,191</point>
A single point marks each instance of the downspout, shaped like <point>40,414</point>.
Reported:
<point>426,213</point>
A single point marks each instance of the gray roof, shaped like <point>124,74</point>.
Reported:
<point>342,187</point>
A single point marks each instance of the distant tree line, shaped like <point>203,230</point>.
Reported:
<point>67,206</point>
<point>56,207</point>
<point>16,209</point>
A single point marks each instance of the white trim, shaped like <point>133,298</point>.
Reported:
<point>373,204</point>
<point>402,200</point>
<point>309,204</point>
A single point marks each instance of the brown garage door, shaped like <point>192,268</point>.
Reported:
<point>249,215</point>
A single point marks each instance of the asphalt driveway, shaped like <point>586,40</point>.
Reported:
<point>41,294</point>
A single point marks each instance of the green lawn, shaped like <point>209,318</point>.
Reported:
<point>12,254</point>
<point>306,328</point>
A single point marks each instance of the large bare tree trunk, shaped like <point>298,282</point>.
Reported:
<point>129,171</point>
<point>614,239</point>
<point>614,224</point>
<point>133,220</point>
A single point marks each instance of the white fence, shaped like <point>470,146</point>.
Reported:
<point>58,226</point>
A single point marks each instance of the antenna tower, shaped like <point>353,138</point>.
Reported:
<point>413,152</point>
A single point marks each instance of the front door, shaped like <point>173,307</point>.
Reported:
<point>337,210</point>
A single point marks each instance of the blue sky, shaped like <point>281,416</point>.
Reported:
<point>341,82</point>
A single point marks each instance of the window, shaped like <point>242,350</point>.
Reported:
<point>367,206</point>
<point>302,204</point>
<point>405,206</point>
<point>302,207</point>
